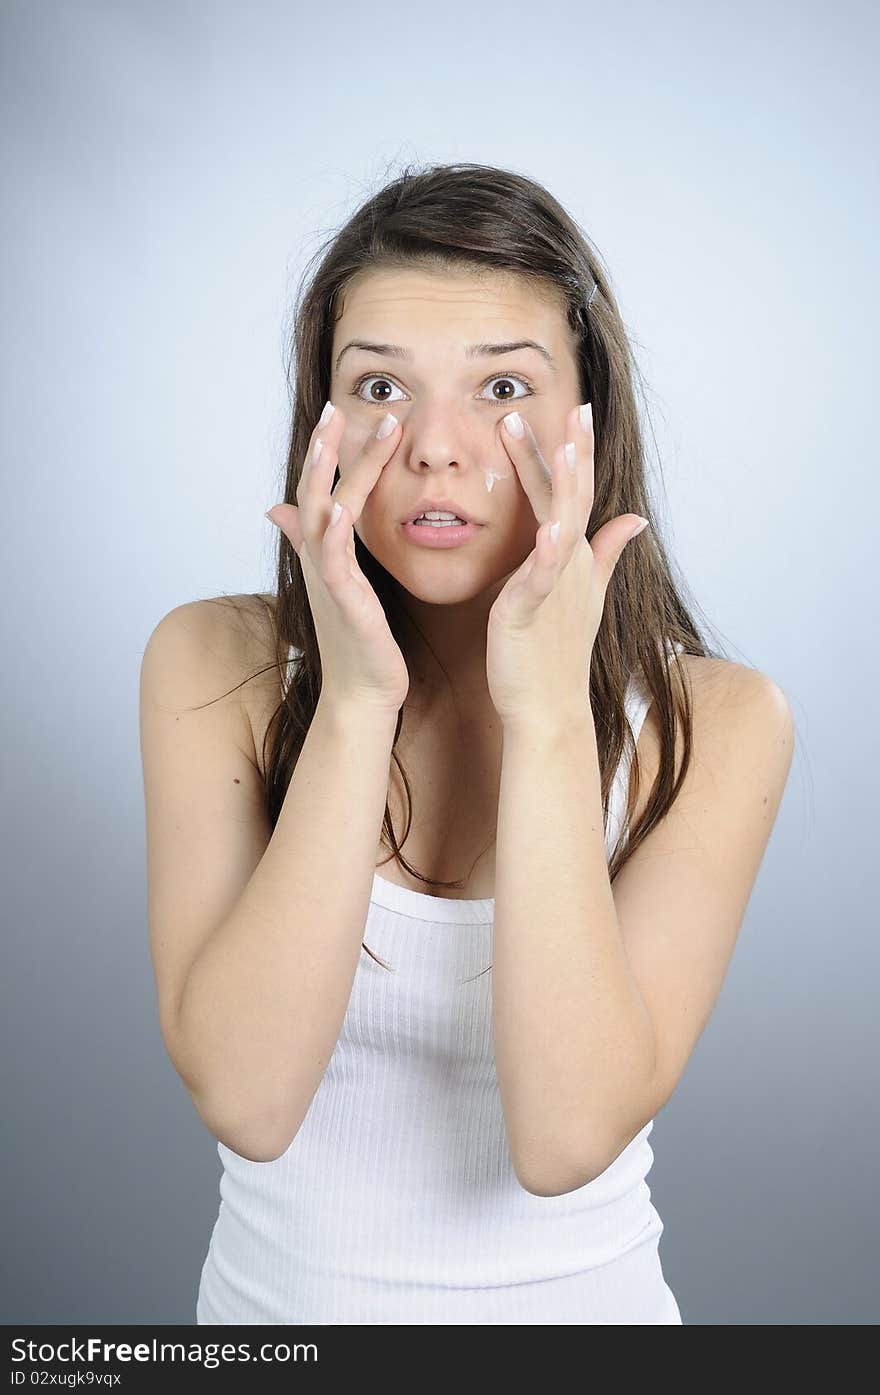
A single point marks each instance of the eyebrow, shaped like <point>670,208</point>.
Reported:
<point>471,350</point>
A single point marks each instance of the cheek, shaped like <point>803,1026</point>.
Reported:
<point>355,438</point>
<point>377,522</point>
<point>499,477</point>
<point>514,528</point>
<point>509,498</point>
<point>496,473</point>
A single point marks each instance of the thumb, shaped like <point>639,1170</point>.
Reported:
<point>286,519</point>
<point>637,527</point>
<point>634,525</point>
<point>607,545</point>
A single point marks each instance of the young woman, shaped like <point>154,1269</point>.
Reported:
<point>432,1088</point>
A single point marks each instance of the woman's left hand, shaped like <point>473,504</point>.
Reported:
<point>543,624</point>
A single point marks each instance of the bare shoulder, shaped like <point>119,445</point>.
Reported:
<point>726,694</point>
<point>722,690</point>
<point>219,651</point>
<point>741,718</point>
<point>722,687</point>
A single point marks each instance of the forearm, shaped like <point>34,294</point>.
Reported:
<point>573,1039</point>
<point>264,1001</point>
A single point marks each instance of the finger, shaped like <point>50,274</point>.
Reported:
<point>337,566</point>
<point>514,588</point>
<point>611,539</point>
<point>532,469</point>
<point>579,431</point>
<point>571,483</point>
<point>323,427</point>
<point>532,583</point>
<point>554,543</point>
<point>335,574</point>
<point>571,503</point>
<point>360,477</point>
<point>557,537</point>
<point>319,465</point>
<point>286,518</point>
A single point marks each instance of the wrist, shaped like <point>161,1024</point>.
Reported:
<point>359,715</point>
<point>551,726</point>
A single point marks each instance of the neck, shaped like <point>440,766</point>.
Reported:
<point>446,653</point>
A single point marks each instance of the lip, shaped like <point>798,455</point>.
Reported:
<point>444,505</point>
<point>423,535</point>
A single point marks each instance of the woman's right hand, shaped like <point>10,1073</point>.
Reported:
<point>360,659</point>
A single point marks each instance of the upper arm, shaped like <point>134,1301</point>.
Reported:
<point>206,820</point>
<point>682,896</point>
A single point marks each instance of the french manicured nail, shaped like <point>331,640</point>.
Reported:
<point>269,516</point>
<point>586,415</point>
<point>636,531</point>
<point>327,413</point>
<point>514,425</point>
<point>554,532</point>
<point>316,451</point>
<point>386,426</point>
<point>336,514</point>
<point>571,457</point>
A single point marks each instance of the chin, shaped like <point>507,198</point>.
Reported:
<point>443,590</point>
<point>447,577</point>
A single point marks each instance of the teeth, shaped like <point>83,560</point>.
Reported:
<point>439,516</point>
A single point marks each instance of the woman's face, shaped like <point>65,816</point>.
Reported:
<point>450,406</point>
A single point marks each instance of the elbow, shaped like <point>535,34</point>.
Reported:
<point>250,1146</point>
<point>553,1176</point>
<point>557,1182</point>
<point>243,1124</point>
<point>250,1139</point>
<point>556,1173</point>
<point>562,1166</point>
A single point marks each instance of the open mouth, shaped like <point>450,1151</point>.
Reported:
<point>442,532</point>
<point>439,519</point>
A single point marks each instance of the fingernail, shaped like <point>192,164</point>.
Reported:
<point>386,426</point>
<point>269,516</point>
<point>636,531</point>
<point>336,514</point>
<point>586,415</point>
<point>514,425</point>
<point>571,457</point>
<point>327,413</point>
<point>554,532</point>
<point>316,450</point>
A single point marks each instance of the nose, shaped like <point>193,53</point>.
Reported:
<point>447,436</point>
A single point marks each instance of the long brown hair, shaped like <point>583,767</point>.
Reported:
<point>474,217</point>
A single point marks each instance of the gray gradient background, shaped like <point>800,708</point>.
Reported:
<point>167,170</point>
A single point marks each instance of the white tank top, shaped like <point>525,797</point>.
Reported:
<point>396,1202</point>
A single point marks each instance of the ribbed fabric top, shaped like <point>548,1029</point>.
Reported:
<point>396,1202</point>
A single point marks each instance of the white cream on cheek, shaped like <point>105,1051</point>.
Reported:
<point>491,476</point>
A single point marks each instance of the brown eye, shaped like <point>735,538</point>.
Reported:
<point>376,378</point>
<point>511,378</point>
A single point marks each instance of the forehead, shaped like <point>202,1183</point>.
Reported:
<point>397,298</point>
